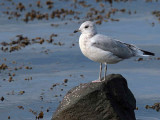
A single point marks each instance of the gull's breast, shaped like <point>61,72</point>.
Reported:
<point>84,45</point>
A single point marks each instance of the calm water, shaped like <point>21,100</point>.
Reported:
<point>66,62</point>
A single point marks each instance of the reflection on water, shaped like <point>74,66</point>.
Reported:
<point>66,62</point>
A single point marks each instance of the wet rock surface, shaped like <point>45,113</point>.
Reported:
<point>108,100</point>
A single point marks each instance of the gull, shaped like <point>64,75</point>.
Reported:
<point>104,49</point>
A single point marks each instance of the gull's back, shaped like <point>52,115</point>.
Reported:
<point>114,46</point>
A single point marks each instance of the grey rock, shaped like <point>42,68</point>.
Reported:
<point>108,100</point>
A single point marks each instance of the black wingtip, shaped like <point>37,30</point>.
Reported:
<point>147,53</point>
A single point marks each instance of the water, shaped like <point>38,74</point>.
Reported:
<point>67,62</point>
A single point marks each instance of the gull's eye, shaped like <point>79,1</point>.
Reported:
<point>86,26</point>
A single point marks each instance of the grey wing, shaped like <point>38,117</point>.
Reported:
<point>122,50</point>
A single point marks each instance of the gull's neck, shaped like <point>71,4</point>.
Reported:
<point>89,34</point>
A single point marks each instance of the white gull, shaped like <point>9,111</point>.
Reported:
<point>103,49</point>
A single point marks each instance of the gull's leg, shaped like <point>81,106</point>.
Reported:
<point>105,71</point>
<point>100,73</point>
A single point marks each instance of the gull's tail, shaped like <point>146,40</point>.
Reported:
<point>139,52</point>
<point>145,53</point>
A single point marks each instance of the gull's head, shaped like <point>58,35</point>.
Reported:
<point>87,27</point>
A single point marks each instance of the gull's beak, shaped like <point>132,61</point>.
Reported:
<point>76,31</point>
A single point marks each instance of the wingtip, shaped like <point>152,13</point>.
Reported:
<point>148,53</point>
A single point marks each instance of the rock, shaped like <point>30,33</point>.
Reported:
<point>108,100</point>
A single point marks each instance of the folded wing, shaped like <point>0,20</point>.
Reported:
<point>118,48</point>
